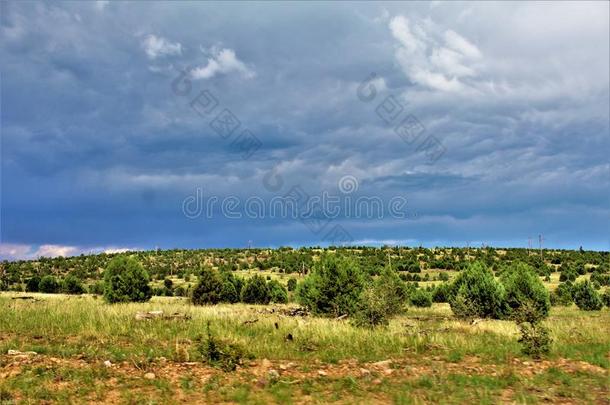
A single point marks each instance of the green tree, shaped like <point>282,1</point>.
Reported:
<point>476,293</point>
<point>381,299</point>
<point>585,296</point>
<point>48,284</point>
<point>33,284</point>
<point>228,293</point>
<point>72,285</point>
<point>277,292</point>
<point>526,297</point>
<point>563,294</point>
<point>421,298</point>
<point>125,280</point>
<point>208,289</point>
<point>333,287</point>
<point>256,291</point>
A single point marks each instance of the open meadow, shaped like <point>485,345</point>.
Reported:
<point>89,351</point>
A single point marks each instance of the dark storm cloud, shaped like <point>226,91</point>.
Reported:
<point>97,150</point>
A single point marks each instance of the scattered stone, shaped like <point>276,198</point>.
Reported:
<point>385,364</point>
<point>143,316</point>
<point>150,376</point>
<point>365,372</point>
<point>377,381</point>
<point>322,373</point>
<point>273,375</point>
<point>107,363</point>
<point>18,353</point>
<point>265,363</point>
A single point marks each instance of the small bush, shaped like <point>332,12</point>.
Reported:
<point>563,295</point>
<point>48,284</point>
<point>228,293</point>
<point>334,286</point>
<point>526,297</point>
<point>535,339</point>
<point>421,298</point>
<point>606,298</point>
<point>380,300</point>
<point>586,298</point>
<point>180,291</point>
<point>125,280</point>
<point>277,292</point>
<point>256,291</point>
<point>441,293</point>
<point>32,284</point>
<point>209,288</point>
<point>292,284</point>
<point>72,285</point>
<point>568,275</point>
<point>97,288</point>
<point>220,353</point>
<point>475,293</point>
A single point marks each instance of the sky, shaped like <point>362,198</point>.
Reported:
<point>454,124</point>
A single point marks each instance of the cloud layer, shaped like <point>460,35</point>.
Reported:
<point>99,149</point>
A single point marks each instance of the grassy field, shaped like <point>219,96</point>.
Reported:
<point>89,351</point>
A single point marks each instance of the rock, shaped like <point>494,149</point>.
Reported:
<point>265,363</point>
<point>107,363</point>
<point>273,375</point>
<point>18,353</point>
<point>388,371</point>
<point>365,372</point>
<point>385,364</point>
<point>322,373</point>
<point>150,376</point>
<point>377,381</point>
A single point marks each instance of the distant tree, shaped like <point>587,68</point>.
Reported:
<point>476,293</point>
<point>441,293</point>
<point>563,294</point>
<point>333,287</point>
<point>292,284</point>
<point>32,284</point>
<point>381,299</point>
<point>586,298</point>
<point>277,292</point>
<point>228,293</point>
<point>72,285</point>
<point>606,298</point>
<point>526,297</point>
<point>209,288</point>
<point>125,280</point>
<point>48,284</point>
<point>256,291</point>
<point>421,298</point>
<point>97,288</point>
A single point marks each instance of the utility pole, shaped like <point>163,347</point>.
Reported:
<point>540,240</point>
<point>529,245</point>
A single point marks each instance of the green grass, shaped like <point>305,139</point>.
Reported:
<point>474,362</point>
